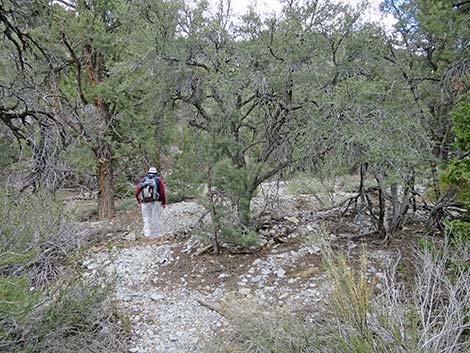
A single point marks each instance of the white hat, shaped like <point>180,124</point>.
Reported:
<point>152,170</point>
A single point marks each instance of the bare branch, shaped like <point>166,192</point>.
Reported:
<point>78,71</point>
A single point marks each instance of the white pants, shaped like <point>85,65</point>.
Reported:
<point>151,213</point>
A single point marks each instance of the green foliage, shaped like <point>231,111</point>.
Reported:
<point>122,186</point>
<point>239,237</point>
<point>34,243</point>
<point>426,245</point>
<point>24,228</point>
<point>178,191</point>
<point>77,316</point>
<point>126,204</point>
<point>457,239</point>
<point>255,95</point>
<point>80,159</point>
<point>188,173</point>
<point>395,316</point>
<point>74,307</point>
<point>9,153</point>
<point>9,258</point>
<point>17,300</point>
<point>461,126</point>
<point>457,172</point>
<point>458,232</point>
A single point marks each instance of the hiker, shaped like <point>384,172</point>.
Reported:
<point>150,195</point>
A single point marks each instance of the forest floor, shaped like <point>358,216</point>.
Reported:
<point>178,295</point>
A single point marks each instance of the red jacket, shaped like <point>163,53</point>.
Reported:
<point>162,192</point>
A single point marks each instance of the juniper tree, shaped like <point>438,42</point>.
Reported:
<point>24,107</point>
<point>246,89</point>
<point>430,46</point>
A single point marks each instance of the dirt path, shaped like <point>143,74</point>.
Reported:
<point>160,283</point>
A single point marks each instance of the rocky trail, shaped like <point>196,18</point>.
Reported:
<point>177,296</point>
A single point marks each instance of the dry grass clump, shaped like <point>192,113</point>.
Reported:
<point>256,330</point>
<point>83,319</point>
<point>35,238</point>
<point>430,315</point>
<point>45,305</point>
<point>77,317</point>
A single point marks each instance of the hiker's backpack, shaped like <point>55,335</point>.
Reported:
<point>149,189</point>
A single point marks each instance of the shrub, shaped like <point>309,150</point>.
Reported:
<point>126,204</point>
<point>81,316</point>
<point>351,295</point>
<point>237,236</point>
<point>429,315</point>
<point>78,317</point>
<point>457,173</point>
<point>10,152</point>
<point>262,331</point>
<point>177,191</point>
<point>16,301</point>
<point>35,237</point>
<point>45,306</point>
<point>458,232</point>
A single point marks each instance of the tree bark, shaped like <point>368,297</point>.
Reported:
<point>362,193</point>
<point>95,69</point>
<point>437,212</point>
<point>399,208</point>
<point>214,237</point>
<point>381,220</point>
<point>411,188</point>
<point>437,190</point>
<point>104,172</point>
<point>244,211</point>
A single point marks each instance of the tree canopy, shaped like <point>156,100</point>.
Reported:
<point>99,90</point>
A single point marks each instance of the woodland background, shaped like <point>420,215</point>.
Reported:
<point>93,92</point>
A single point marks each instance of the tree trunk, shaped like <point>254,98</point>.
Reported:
<point>362,192</point>
<point>104,157</point>
<point>399,208</point>
<point>95,69</point>
<point>437,189</point>
<point>437,212</point>
<point>381,227</point>
<point>104,172</point>
<point>411,188</point>
<point>214,237</point>
<point>244,211</point>
<point>242,199</point>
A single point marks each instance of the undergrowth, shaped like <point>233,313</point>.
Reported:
<point>45,304</point>
<point>360,315</point>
